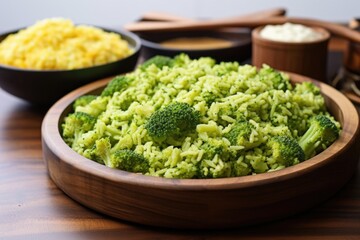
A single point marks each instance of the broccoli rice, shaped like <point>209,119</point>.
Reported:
<point>195,118</point>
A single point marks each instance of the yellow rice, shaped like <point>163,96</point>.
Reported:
<point>57,44</point>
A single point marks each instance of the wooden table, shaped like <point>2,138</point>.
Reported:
<point>32,207</point>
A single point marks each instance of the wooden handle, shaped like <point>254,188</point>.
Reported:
<point>162,16</point>
<point>333,28</point>
<point>168,17</point>
<point>166,26</point>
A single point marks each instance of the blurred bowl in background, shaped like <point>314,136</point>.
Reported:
<point>44,87</point>
<point>232,44</point>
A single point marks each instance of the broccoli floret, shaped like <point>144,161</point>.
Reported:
<point>75,125</point>
<point>83,100</point>
<point>101,152</point>
<point>159,61</point>
<point>321,133</point>
<point>285,151</point>
<point>123,159</point>
<point>115,85</point>
<point>278,80</point>
<point>172,121</point>
<point>240,135</point>
<point>216,152</point>
<point>209,98</point>
<point>240,131</point>
<point>214,147</point>
<point>211,150</point>
<point>90,153</point>
<point>130,161</point>
<point>240,168</point>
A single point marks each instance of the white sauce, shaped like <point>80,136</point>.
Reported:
<point>290,32</point>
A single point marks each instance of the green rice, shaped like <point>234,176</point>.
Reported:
<point>222,93</point>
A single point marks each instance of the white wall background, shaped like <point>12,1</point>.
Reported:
<point>115,13</point>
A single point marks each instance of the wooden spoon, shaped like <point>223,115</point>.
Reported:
<point>333,28</point>
<point>161,16</point>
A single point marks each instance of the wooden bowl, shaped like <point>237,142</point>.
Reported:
<point>202,203</point>
<point>240,50</point>
<point>305,58</point>
<point>44,87</point>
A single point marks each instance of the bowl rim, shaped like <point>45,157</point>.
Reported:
<point>122,32</point>
<point>51,136</point>
<point>159,47</point>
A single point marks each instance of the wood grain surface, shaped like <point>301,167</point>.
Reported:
<point>32,207</point>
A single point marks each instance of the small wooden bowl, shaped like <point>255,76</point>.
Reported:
<point>44,87</point>
<point>305,58</point>
<point>240,49</point>
<point>202,203</point>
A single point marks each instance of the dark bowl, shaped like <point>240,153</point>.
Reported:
<point>240,50</point>
<point>44,87</point>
